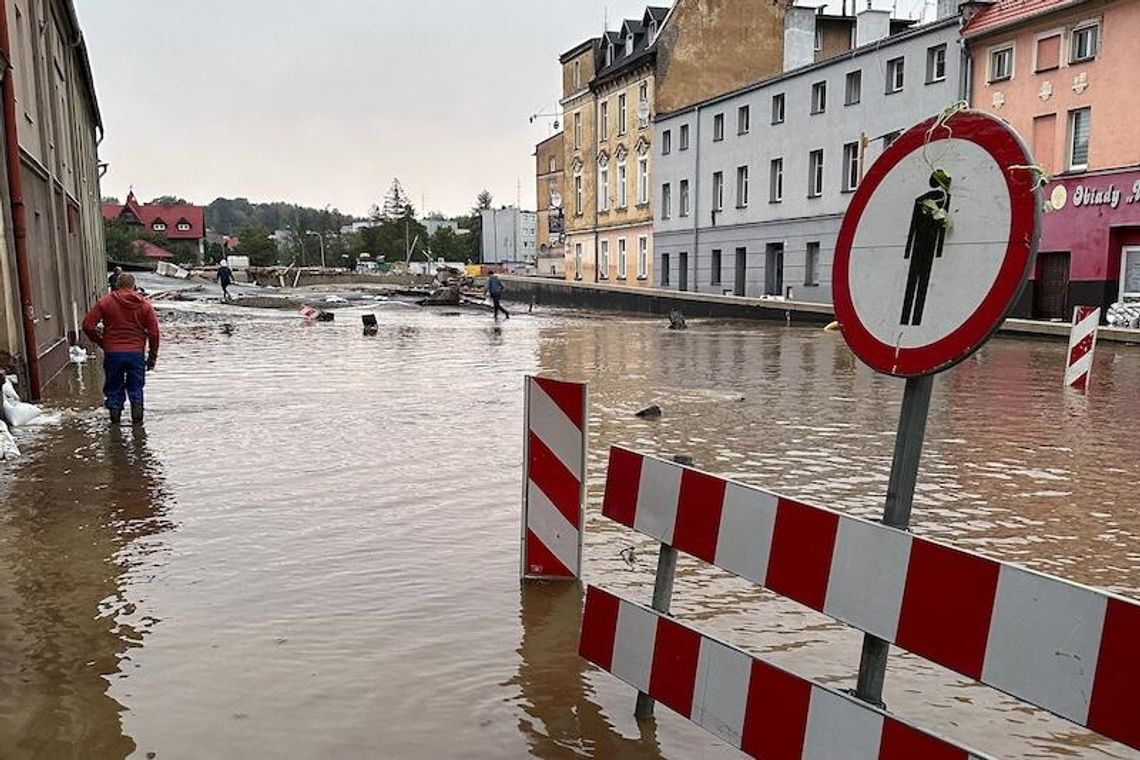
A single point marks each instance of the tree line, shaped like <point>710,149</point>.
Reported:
<point>393,233</point>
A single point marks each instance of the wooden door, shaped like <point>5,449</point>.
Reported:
<point>1051,288</point>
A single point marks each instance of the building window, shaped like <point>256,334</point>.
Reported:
<point>684,137</point>
<point>623,266</point>
<point>742,187</point>
<point>629,44</point>
<point>895,74</point>
<point>622,114</point>
<point>643,257</point>
<point>811,264</point>
<point>643,180</point>
<point>1084,42</point>
<point>553,165</point>
<point>1001,63</point>
<point>936,64</point>
<point>683,201</point>
<point>776,181</point>
<point>577,130</point>
<point>603,188</point>
<point>577,261</point>
<point>666,142</point>
<point>743,120</point>
<point>1079,123</point>
<point>715,266</point>
<point>159,227</point>
<point>664,270</point>
<point>643,105</point>
<point>577,74</point>
<point>604,259</point>
<point>578,192</point>
<point>603,121</point>
<point>666,201</point>
<point>853,88</point>
<point>622,184</point>
<point>183,227</point>
<point>1048,56</point>
<point>778,109</point>
<point>718,127</point>
<point>819,97</point>
<point>818,39</point>
<point>815,173</point>
<point>850,166</point>
<point>718,191</point>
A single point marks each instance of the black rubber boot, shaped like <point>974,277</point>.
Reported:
<point>116,416</point>
<point>137,413</point>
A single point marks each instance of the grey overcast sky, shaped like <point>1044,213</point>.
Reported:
<point>323,103</point>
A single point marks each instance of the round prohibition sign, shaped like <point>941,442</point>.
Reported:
<point>936,245</point>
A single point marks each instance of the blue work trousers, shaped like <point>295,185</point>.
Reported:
<point>124,375</point>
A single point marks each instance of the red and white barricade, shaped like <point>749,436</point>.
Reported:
<point>554,486</point>
<point>1082,345</point>
<point>1060,646</point>
<point>756,707</point>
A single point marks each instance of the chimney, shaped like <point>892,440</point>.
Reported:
<point>948,8</point>
<point>871,26</point>
<point>799,37</point>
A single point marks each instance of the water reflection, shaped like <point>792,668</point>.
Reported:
<point>561,715</point>
<point>70,543</point>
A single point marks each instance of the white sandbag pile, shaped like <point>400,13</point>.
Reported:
<point>1124,315</point>
<point>16,412</point>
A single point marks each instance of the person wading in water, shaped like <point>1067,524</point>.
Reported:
<point>495,289</point>
<point>225,277</point>
<point>129,326</point>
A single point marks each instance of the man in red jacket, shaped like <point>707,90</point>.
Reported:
<point>129,325</point>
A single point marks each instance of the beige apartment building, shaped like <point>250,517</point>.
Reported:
<point>549,192</point>
<point>52,257</point>
<point>612,88</point>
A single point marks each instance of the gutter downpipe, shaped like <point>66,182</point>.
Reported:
<point>19,213</point>
<point>697,200</point>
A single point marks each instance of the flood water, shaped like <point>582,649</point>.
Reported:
<point>312,549</point>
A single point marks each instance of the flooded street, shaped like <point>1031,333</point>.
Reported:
<point>312,549</point>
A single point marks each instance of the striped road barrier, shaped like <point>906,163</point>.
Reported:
<point>1066,648</point>
<point>554,486</point>
<point>1082,345</point>
<point>756,707</point>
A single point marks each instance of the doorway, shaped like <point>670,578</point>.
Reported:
<point>1051,288</point>
<point>683,271</point>
<point>741,271</point>
<point>774,269</point>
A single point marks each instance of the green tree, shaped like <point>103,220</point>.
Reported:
<point>396,203</point>
<point>170,200</point>
<point>256,243</point>
<point>445,244</point>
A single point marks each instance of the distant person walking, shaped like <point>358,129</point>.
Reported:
<point>113,278</point>
<point>495,290</point>
<point>129,326</point>
<point>225,277</point>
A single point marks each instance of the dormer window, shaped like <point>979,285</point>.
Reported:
<point>652,30</point>
<point>159,226</point>
<point>184,226</point>
<point>629,44</point>
<point>610,54</point>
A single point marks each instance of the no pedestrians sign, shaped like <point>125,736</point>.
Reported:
<point>937,244</point>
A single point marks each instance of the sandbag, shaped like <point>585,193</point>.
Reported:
<point>16,412</point>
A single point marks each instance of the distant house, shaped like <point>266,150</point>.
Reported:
<point>151,251</point>
<point>181,223</point>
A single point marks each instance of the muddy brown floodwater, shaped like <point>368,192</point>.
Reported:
<point>311,551</point>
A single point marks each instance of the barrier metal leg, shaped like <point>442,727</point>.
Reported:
<point>662,597</point>
<point>900,499</point>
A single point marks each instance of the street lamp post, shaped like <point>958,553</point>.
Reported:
<point>321,238</point>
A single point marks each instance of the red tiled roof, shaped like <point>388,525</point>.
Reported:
<point>171,216</point>
<point>1002,13</point>
<point>150,250</point>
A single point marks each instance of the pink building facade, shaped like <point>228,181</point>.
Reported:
<point>1063,74</point>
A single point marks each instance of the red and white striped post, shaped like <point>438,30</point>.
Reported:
<point>554,486</point>
<point>1082,344</point>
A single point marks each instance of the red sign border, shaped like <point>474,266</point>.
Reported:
<point>1007,149</point>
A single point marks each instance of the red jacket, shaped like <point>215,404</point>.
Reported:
<point>129,323</point>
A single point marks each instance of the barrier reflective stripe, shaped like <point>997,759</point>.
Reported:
<point>1058,645</point>
<point>757,707</point>
<point>553,492</point>
<point>1082,345</point>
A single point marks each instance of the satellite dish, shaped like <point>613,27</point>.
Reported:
<point>555,199</point>
<point>643,111</point>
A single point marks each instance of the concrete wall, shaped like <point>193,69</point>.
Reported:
<point>797,219</point>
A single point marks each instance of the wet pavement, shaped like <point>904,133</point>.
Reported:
<point>311,550</point>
